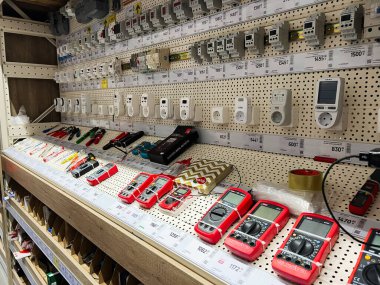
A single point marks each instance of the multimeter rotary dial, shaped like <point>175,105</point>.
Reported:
<point>301,246</point>
<point>217,213</point>
<point>371,274</point>
<point>251,228</point>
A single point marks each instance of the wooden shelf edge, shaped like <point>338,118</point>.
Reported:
<point>56,248</point>
<point>17,280</point>
<point>150,264</point>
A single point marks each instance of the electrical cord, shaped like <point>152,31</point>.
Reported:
<point>328,206</point>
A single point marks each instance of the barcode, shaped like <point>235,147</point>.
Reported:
<point>357,232</point>
<point>331,55</point>
<point>370,50</point>
<point>302,142</point>
<point>361,223</point>
<point>348,148</point>
<point>267,63</point>
<point>291,60</point>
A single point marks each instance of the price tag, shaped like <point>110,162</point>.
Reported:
<point>253,141</point>
<point>161,77</point>
<point>201,73</point>
<point>348,57</point>
<point>353,224</point>
<point>175,32</point>
<point>148,226</point>
<point>175,76</point>
<point>280,65</point>
<point>274,7</point>
<point>256,67</point>
<point>202,25</point>
<point>318,60</point>
<point>374,52</point>
<point>126,126</point>
<point>188,75</point>
<point>291,145</point>
<point>169,236</point>
<point>235,69</point>
<point>135,80</point>
<point>147,40</point>
<point>335,149</point>
<point>253,10</point>
<point>195,250</point>
<point>142,79</point>
<point>227,267</point>
<point>133,43</point>
<point>156,38</point>
<point>232,16</point>
<point>220,138</point>
<point>132,215</point>
<point>216,21</point>
<point>188,28</point>
<point>216,72</point>
<point>163,35</point>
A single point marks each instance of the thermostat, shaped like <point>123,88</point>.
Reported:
<point>235,45</point>
<point>129,28</point>
<point>351,22</point>
<point>243,110</point>
<point>198,7</point>
<point>182,10</point>
<point>279,36</point>
<point>147,105</point>
<point>329,101</point>
<point>166,108</point>
<point>281,109</point>
<point>314,29</point>
<point>254,40</point>
<point>136,25</point>
<point>167,13</point>
<point>211,49</point>
<point>202,51</point>
<point>132,103</point>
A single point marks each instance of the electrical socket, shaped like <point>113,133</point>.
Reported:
<point>243,110</point>
<point>132,103</point>
<point>220,115</point>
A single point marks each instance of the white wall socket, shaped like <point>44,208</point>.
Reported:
<point>132,103</point>
<point>243,110</point>
<point>111,110</point>
<point>281,107</point>
<point>101,110</point>
<point>118,104</point>
<point>77,106</point>
<point>220,115</point>
<point>187,108</point>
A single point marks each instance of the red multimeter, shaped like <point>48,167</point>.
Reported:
<point>304,251</point>
<point>256,230</point>
<point>366,195</point>
<point>158,188</point>
<point>175,198</point>
<point>231,205</point>
<point>135,187</point>
<point>367,268</point>
<point>102,174</point>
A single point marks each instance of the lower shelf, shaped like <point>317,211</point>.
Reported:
<point>17,280</point>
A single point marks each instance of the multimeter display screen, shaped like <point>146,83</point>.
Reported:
<point>141,178</point>
<point>233,198</point>
<point>308,25</point>
<point>266,213</point>
<point>327,92</point>
<point>160,182</point>
<point>181,191</point>
<point>314,227</point>
<point>345,17</point>
<point>376,242</point>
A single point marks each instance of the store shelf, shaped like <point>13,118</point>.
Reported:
<point>61,258</point>
<point>17,280</point>
<point>25,27</point>
<point>18,131</point>
<point>130,251</point>
<point>29,70</point>
<point>27,266</point>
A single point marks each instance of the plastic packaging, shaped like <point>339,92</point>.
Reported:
<point>297,201</point>
<point>21,118</point>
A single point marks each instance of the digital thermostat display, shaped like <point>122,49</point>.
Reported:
<point>327,92</point>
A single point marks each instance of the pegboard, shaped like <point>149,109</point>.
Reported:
<point>360,88</point>
<point>254,166</point>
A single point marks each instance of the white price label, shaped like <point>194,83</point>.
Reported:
<point>169,236</point>
<point>348,57</point>
<point>375,54</point>
<point>148,226</point>
<point>188,28</point>
<point>317,60</point>
<point>235,69</point>
<point>216,21</point>
<point>164,34</point>
<point>253,10</point>
<point>135,80</point>
<point>227,267</point>
<point>161,77</point>
<point>175,32</point>
<point>222,138</point>
<point>291,145</point>
<point>280,65</point>
<point>232,16</point>
<point>147,40</point>
<point>274,7</point>
<point>202,25</point>
<point>175,76</point>
<point>201,73</point>
<point>195,250</point>
<point>156,38</point>
<point>335,149</point>
<point>253,141</point>
<point>353,224</point>
<point>256,67</point>
<point>132,216</point>
<point>216,72</point>
<point>188,75</point>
